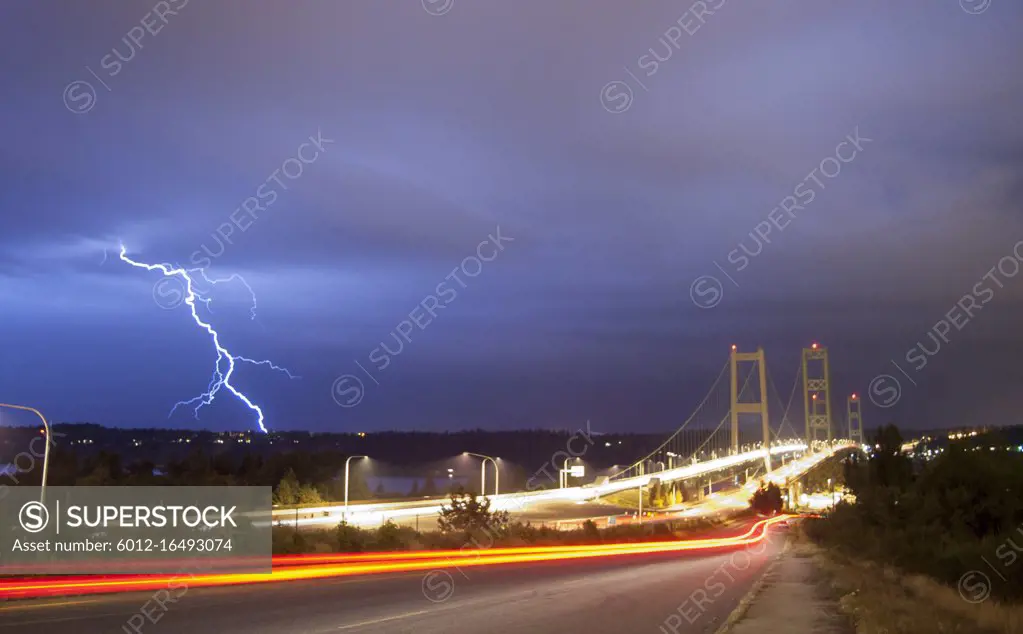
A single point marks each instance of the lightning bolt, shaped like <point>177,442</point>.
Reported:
<point>224,368</point>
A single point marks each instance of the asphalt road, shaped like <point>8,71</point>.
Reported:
<point>677,592</point>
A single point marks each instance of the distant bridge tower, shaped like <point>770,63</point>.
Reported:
<point>759,407</point>
<point>816,394</point>
<point>853,409</point>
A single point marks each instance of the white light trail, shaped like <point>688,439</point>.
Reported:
<point>373,514</point>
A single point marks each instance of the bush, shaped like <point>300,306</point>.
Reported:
<point>767,499</point>
<point>350,539</point>
<point>471,517</point>
<point>288,541</point>
<point>390,536</point>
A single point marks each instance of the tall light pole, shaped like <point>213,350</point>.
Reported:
<point>46,452</point>
<point>347,462</point>
<point>483,472</point>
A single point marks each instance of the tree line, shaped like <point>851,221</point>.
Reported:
<point>942,518</point>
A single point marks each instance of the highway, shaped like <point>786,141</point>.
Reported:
<point>521,504</point>
<point>568,505</point>
<point>635,592</point>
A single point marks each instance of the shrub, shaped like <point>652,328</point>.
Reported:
<point>767,499</point>
<point>350,539</point>
<point>471,517</point>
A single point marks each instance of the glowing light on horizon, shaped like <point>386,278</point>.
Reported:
<point>221,377</point>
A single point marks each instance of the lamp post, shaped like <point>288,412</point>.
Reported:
<point>347,462</point>
<point>483,472</point>
<point>46,452</point>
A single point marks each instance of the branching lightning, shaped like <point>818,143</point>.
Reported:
<point>221,376</point>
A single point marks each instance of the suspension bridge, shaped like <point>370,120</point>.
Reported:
<point>729,439</point>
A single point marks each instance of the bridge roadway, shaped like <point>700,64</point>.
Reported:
<point>534,506</point>
<point>629,593</point>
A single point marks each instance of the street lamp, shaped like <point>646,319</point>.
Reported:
<point>350,458</point>
<point>565,472</point>
<point>46,452</point>
<point>483,472</point>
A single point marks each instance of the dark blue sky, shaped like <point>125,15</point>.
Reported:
<point>620,178</point>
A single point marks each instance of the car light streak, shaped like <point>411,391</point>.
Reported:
<point>315,566</point>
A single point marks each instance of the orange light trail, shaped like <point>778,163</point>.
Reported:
<point>327,566</point>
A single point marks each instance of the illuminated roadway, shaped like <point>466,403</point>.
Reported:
<point>521,505</point>
<point>572,503</point>
<point>608,588</point>
<point>627,593</point>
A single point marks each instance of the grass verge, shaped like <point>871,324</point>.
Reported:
<point>883,600</point>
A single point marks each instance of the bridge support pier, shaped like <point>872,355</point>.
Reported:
<point>853,415</point>
<point>757,407</point>
<point>817,395</point>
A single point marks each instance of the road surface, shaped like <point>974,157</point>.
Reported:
<point>572,503</point>
<point>677,592</point>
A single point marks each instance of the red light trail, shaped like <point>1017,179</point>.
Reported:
<point>307,567</point>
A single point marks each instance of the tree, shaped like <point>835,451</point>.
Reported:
<point>307,494</point>
<point>287,490</point>
<point>889,467</point>
<point>656,494</point>
<point>767,499</point>
<point>468,515</point>
<point>879,482</point>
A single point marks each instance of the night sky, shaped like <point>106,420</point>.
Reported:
<point>623,150</point>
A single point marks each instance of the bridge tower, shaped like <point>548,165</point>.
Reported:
<point>816,394</point>
<point>759,407</point>
<point>854,408</point>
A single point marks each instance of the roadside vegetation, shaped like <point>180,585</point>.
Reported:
<point>933,533</point>
<point>767,500</point>
<point>881,599</point>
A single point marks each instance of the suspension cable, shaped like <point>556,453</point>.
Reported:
<point>680,429</point>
